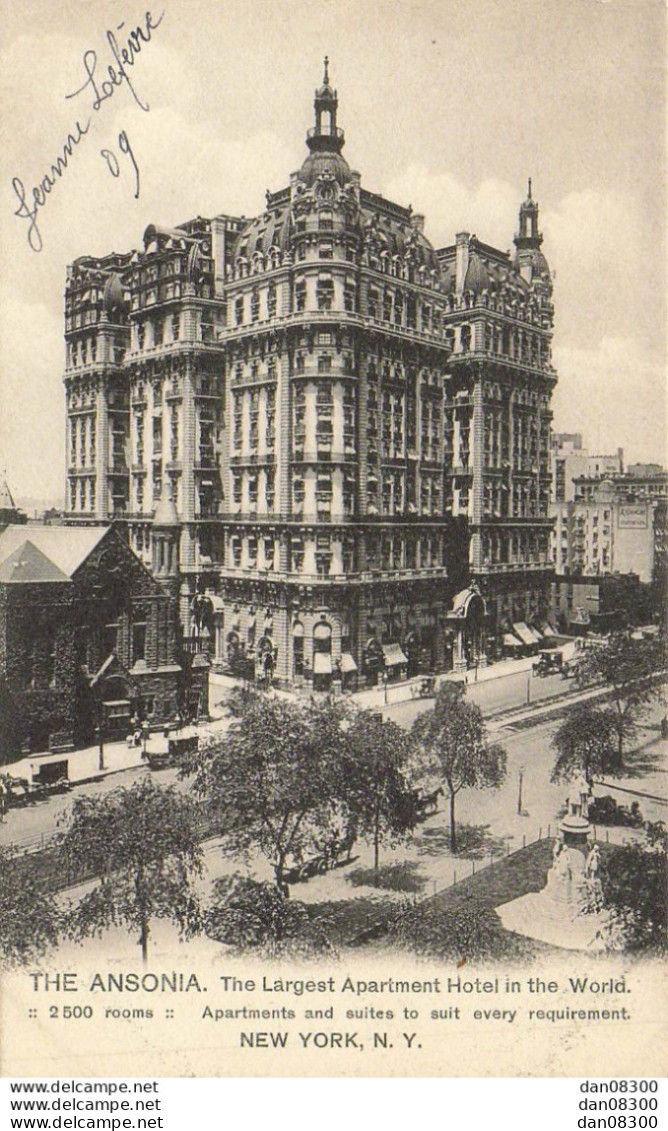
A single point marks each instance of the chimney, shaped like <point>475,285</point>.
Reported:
<point>461,259</point>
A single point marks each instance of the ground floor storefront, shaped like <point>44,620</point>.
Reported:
<point>351,634</point>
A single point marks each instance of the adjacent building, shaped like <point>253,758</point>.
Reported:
<point>348,428</point>
<point>570,460</point>
<point>614,526</point>
<point>88,639</point>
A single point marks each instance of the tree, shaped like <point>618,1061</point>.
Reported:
<point>586,742</point>
<point>634,883</point>
<point>29,917</point>
<point>471,933</point>
<point>142,844</point>
<point>273,780</point>
<point>256,916</point>
<point>375,785</point>
<point>626,667</point>
<point>453,739</point>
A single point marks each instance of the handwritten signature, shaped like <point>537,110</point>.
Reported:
<point>101,89</point>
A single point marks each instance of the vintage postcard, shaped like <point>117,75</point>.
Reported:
<point>333,539</point>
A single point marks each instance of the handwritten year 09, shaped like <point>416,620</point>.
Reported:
<point>113,163</point>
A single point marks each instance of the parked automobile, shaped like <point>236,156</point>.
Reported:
<point>176,747</point>
<point>549,662</point>
<point>606,811</point>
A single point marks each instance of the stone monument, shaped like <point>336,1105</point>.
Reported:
<point>567,912</point>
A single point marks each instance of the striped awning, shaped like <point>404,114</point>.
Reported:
<point>510,641</point>
<point>348,663</point>
<point>322,663</point>
<point>393,655</point>
<point>524,632</point>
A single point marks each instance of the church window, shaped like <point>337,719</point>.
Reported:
<point>138,642</point>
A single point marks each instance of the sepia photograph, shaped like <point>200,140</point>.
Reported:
<point>333,538</point>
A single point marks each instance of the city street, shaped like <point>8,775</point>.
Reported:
<point>488,825</point>
<point>527,743</point>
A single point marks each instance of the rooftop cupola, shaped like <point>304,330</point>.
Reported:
<point>529,258</point>
<point>528,235</point>
<point>325,140</point>
<point>325,135</point>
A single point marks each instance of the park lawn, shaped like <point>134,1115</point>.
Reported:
<point>357,921</point>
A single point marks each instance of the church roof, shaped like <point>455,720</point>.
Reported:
<point>65,547</point>
<point>28,564</point>
<point>6,500</point>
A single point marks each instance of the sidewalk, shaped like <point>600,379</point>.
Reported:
<point>403,692</point>
<point>84,765</point>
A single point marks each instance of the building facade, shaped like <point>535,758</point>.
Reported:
<point>570,460</point>
<point>614,524</point>
<point>352,428</point>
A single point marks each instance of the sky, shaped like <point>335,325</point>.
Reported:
<point>448,105</point>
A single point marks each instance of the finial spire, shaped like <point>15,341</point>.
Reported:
<point>326,75</point>
<point>529,196</point>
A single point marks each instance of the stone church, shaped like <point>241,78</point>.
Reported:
<point>88,639</point>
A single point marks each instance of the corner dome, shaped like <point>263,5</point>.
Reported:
<point>540,264</point>
<point>324,163</point>
<point>114,300</point>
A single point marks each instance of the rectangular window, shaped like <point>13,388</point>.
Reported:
<point>325,294</point>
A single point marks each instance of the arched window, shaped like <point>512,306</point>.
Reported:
<point>298,648</point>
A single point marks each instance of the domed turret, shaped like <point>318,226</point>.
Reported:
<point>529,258</point>
<point>325,140</point>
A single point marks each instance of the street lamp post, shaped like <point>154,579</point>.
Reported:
<point>519,791</point>
<point>529,690</point>
<point>100,738</point>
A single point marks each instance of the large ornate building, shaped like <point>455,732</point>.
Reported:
<point>351,427</point>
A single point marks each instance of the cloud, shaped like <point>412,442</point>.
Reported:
<point>615,393</point>
<point>489,210</point>
<point>32,399</point>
